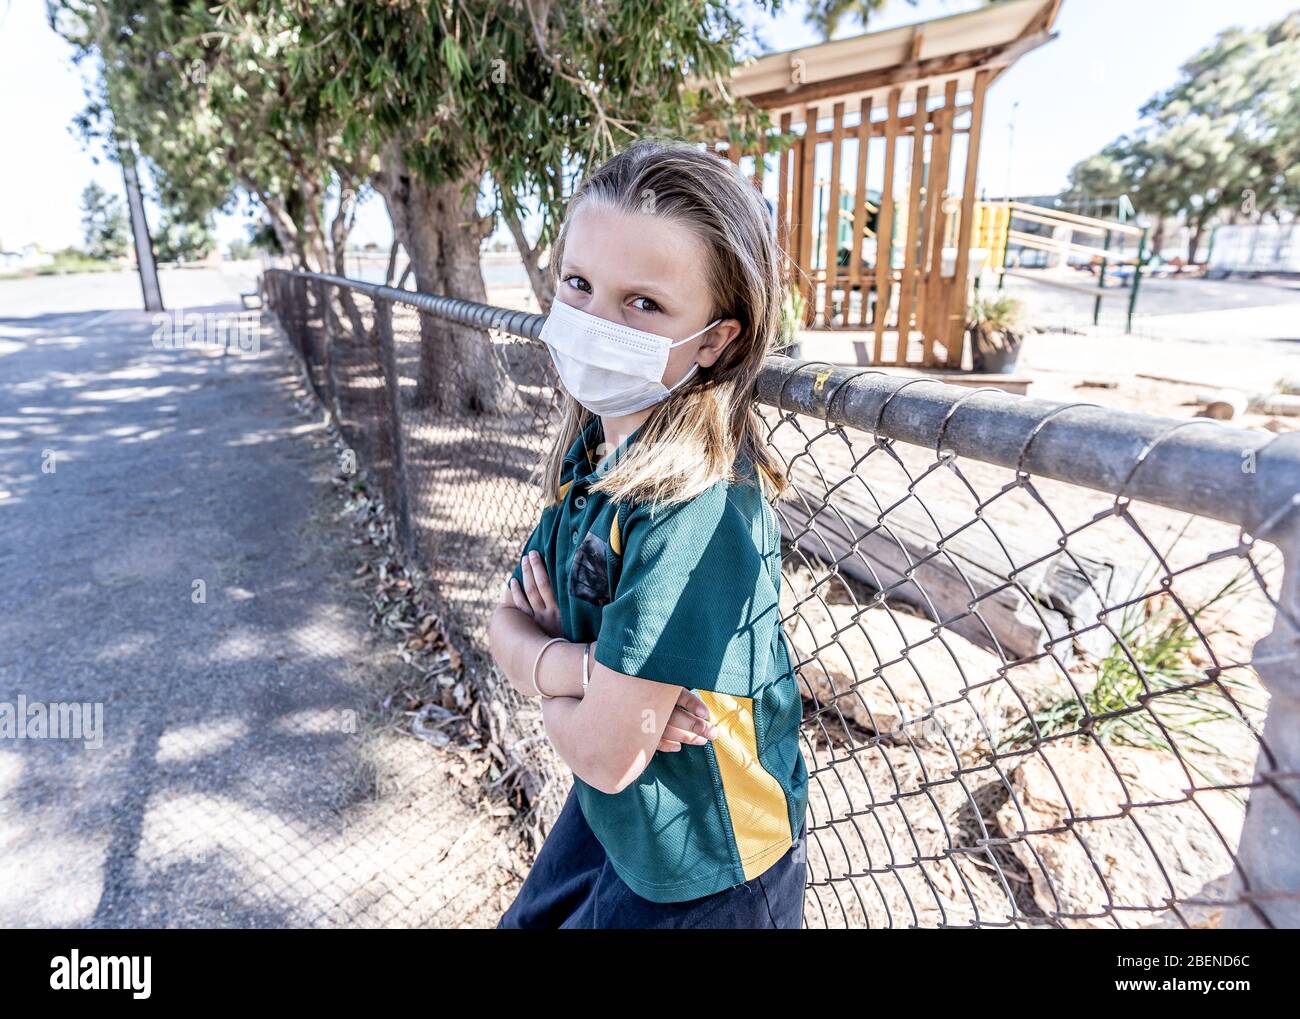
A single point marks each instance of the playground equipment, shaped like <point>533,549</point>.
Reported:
<point>1061,251</point>
<point>894,118</point>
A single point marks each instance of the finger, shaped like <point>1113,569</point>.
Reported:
<point>521,599</point>
<point>687,722</point>
<point>669,746</point>
<point>688,701</point>
<point>543,581</point>
<point>530,582</point>
<point>679,735</point>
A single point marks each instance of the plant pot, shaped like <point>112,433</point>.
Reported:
<point>995,361</point>
<point>993,352</point>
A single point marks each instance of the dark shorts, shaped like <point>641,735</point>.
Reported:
<point>573,884</point>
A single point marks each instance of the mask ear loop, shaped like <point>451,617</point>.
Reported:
<point>693,335</point>
<point>695,367</point>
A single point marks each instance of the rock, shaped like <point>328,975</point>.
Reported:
<point>894,675</point>
<point>1111,846</point>
<point>1222,405</point>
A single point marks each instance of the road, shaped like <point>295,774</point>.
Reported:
<point>1195,329</point>
<point>174,558</point>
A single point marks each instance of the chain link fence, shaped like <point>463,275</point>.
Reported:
<point>1048,652</point>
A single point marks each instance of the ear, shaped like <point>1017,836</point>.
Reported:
<point>716,341</point>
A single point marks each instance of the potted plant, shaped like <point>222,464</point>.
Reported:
<point>993,325</point>
<point>791,321</point>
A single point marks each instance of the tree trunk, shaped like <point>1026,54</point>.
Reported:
<point>341,225</point>
<point>340,228</point>
<point>286,230</point>
<point>441,230</point>
<point>530,255</point>
<point>1158,235</point>
<point>291,218</point>
<point>1195,242</point>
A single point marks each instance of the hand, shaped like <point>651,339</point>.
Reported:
<point>689,723</point>
<point>536,597</point>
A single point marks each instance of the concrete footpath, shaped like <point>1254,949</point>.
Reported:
<point>173,557</point>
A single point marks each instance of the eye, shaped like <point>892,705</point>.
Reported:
<point>653,307</point>
<point>577,283</point>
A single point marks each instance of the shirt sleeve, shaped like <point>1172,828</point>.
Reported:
<point>694,604</point>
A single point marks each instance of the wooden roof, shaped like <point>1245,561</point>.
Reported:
<point>929,52</point>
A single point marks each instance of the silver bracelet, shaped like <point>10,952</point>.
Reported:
<point>536,662</point>
<point>586,677</point>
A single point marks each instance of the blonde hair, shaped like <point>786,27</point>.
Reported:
<point>691,440</point>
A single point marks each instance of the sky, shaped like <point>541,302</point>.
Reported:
<point>1060,103</point>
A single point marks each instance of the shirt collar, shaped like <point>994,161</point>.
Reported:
<point>578,460</point>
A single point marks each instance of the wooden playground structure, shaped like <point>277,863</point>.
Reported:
<point>887,131</point>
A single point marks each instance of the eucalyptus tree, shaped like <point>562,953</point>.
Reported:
<point>217,102</point>
<point>478,107</point>
<point>103,223</point>
<point>1223,139</point>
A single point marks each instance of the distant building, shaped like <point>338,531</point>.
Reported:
<point>29,256</point>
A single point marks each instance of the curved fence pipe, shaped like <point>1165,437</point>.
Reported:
<point>1239,475</point>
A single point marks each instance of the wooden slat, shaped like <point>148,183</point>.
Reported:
<point>932,292</point>
<point>884,245</point>
<point>796,209</point>
<point>860,214</point>
<point>914,223</point>
<point>955,327</point>
<point>1043,243</point>
<point>1052,220</point>
<point>904,123</point>
<point>782,190</point>
<point>806,186</point>
<point>833,215</point>
<point>759,161</point>
<point>901,74</point>
<point>1020,208</point>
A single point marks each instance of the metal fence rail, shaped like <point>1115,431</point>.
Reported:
<point>1048,652</point>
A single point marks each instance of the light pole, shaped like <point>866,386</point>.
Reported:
<point>140,229</point>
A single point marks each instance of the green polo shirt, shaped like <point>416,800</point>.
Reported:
<point>689,595</point>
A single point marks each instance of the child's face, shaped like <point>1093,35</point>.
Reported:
<point>647,272</point>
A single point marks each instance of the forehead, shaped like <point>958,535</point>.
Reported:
<point>615,246</point>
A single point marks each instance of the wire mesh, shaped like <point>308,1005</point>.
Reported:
<point>1027,703</point>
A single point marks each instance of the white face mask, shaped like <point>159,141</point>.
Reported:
<point>608,367</point>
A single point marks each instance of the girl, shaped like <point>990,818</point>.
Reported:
<point>644,611</point>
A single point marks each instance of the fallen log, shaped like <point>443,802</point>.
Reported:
<point>958,572</point>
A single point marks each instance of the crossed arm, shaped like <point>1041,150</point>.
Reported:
<point>608,735</point>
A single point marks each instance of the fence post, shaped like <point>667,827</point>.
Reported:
<point>1101,282</point>
<point>1268,874</point>
<point>1137,278</point>
<point>327,332</point>
<point>393,403</point>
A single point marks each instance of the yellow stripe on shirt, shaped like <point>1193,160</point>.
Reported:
<point>760,818</point>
